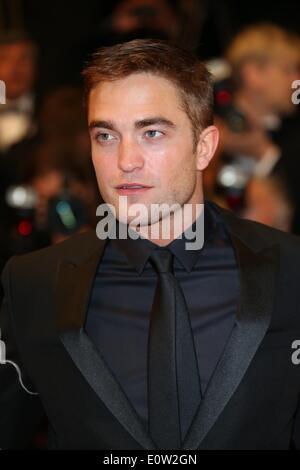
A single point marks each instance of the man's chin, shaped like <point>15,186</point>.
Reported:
<point>141,213</point>
<point>135,221</point>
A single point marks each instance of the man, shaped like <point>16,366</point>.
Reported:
<point>18,70</point>
<point>141,343</point>
<point>18,56</point>
<point>265,62</point>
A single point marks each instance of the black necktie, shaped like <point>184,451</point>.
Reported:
<point>173,379</point>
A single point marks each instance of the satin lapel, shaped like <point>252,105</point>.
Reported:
<point>98,375</point>
<point>258,274</point>
<point>74,283</point>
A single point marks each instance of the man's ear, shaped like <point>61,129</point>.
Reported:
<point>206,147</point>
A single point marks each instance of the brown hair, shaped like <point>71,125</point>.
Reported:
<point>157,57</point>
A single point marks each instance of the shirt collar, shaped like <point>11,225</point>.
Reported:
<point>138,251</point>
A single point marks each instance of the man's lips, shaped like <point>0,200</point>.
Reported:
<point>132,188</point>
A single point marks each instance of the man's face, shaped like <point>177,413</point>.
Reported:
<point>140,135</point>
<point>275,83</point>
<point>17,68</point>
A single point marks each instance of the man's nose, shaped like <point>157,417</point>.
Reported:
<point>130,157</point>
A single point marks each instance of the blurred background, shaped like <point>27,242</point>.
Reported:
<point>47,185</point>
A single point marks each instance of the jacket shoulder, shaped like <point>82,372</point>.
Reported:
<point>273,235</point>
<point>43,262</point>
<point>256,234</point>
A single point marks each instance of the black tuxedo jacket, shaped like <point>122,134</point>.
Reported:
<point>252,400</point>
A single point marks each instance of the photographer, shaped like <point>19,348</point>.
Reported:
<point>263,136</point>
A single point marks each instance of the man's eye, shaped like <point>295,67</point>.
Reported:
<point>153,133</point>
<point>104,136</point>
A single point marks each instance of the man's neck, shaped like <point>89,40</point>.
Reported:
<point>170,227</point>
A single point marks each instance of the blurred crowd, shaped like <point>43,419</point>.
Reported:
<point>48,189</point>
<point>256,169</point>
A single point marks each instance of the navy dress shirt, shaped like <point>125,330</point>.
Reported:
<point>122,294</point>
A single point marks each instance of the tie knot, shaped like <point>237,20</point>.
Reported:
<point>162,260</point>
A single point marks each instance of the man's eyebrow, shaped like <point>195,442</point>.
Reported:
<point>153,121</point>
<point>138,124</point>
<point>104,124</point>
